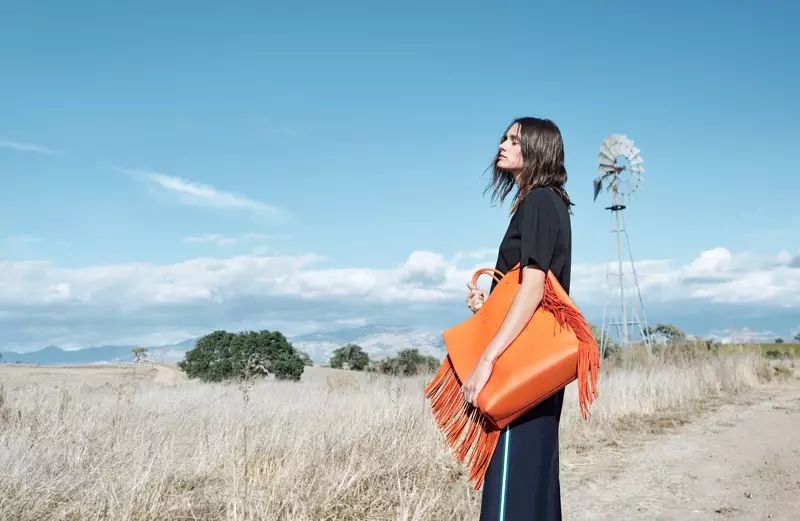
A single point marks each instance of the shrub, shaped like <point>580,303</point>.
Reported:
<point>409,362</point>
<point>221,356</point>
<point>305,358</point>
<point>352,355</point>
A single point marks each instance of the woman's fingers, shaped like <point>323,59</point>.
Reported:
<point>475,300</point>
<point>475,293</point>
<point>469,395</point>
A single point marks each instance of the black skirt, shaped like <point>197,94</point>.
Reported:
<point>522,483</point>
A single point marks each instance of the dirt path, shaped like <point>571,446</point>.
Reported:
<point>740,463</point>
<point>165,374</point>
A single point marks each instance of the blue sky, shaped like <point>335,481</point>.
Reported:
<point>355,135</point>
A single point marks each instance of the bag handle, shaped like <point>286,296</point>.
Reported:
<point>486,271</point>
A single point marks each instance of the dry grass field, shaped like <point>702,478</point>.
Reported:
<point>145,444</point>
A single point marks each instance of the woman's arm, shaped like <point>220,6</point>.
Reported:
<point>528,297</point>
<point>522,308</point>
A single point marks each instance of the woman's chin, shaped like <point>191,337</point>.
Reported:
<point>504,166</point>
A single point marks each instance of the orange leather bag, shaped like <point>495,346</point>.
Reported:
<point>555,348</point>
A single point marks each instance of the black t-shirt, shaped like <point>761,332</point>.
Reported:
<point>539,235</point>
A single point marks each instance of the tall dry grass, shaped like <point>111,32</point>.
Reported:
<point>335,449</point>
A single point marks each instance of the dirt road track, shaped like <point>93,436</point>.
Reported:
<point>166,375</point>
<point>740,463</point>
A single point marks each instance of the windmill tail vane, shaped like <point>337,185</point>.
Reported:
<point>598,185</point>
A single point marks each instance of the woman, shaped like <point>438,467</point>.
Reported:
<point>522,480</point>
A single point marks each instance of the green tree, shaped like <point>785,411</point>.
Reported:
<point>221,356</point>
<point>139,354</point>
<point>409,362</point>
<point>211,358</point>
<point>797,338</point>
<point>668,332</point>
<point>307,361</point>
<point>352,355</point>
<point>711,345</point>
<point>432,364</point>
<point>778,340</point>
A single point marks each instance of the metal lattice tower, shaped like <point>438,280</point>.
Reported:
<point>624,316</point>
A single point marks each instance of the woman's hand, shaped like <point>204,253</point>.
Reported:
<point>475,298</point>
<point>476,381</point>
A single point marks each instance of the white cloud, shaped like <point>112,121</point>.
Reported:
<point>26,147</point>
<point>743,336</point>
<point>213,238</point>
<point>42,303</point>
<point>223,240</point>
<point>484,254</point>
<point>198,194</point>
<point>19,246</point>
<point>23,239</point>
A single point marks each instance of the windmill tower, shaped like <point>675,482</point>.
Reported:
<point>624,317</point>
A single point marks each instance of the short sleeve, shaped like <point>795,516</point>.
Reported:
<point>538,229</point>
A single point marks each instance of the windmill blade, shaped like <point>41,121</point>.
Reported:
<point>605,162</point>
<point>624,148</point>
<point>605,149</point>
<point>606,158</point>
<point>637,169</point>
<point>621,138</point>
<point>637,160</point>
<point>605,170</point>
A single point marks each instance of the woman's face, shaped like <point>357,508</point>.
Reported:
<point>509,157</point>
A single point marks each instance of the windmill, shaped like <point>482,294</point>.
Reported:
<point>621,175</point>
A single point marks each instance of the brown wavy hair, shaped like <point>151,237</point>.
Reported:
<point>542,163</point>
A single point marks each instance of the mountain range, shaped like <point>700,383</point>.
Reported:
<point>379,341</point>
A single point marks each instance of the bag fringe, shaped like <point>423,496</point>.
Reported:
<point>588,352</point>
<point>470,434</point>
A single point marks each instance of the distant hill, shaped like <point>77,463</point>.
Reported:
<point>377,340</point>
<point>53,355</point>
